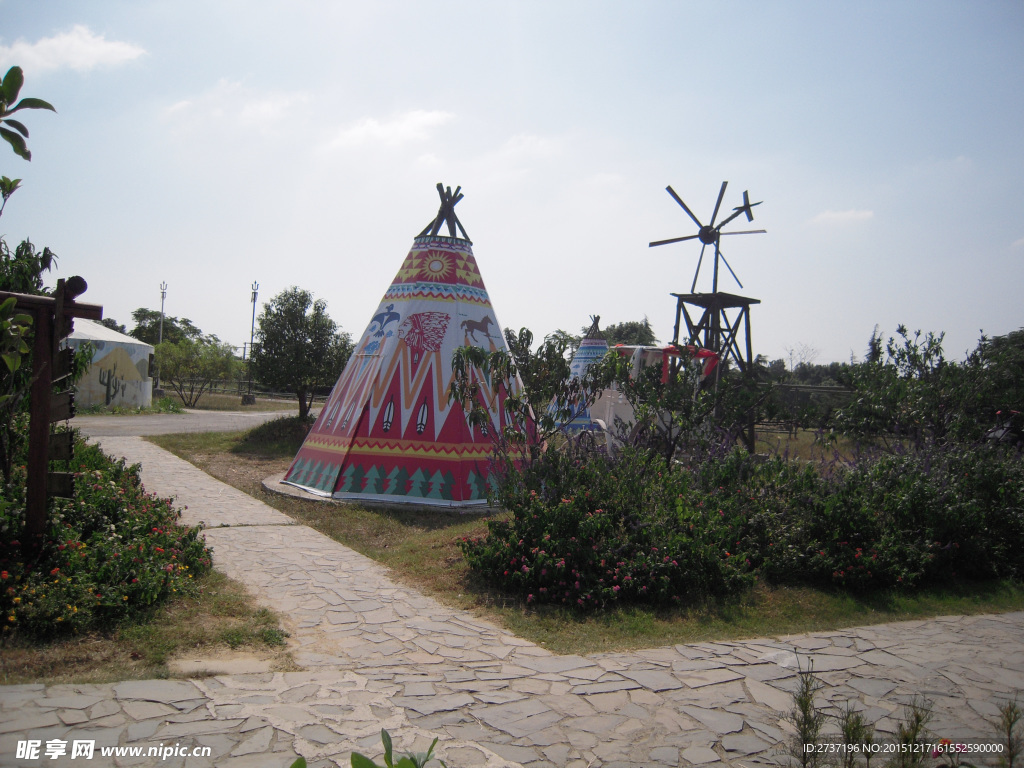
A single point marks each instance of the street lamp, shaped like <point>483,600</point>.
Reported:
<point>160,339</point>
<point>250,398</point>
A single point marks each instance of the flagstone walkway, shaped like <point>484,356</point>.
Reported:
<point>378,654</point>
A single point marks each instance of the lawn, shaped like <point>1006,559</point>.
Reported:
<point>421,547</point>
<point>222,619</point>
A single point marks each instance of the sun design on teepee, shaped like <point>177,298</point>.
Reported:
<point>437,267</point>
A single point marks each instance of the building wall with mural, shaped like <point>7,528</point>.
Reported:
<point>119,373</point>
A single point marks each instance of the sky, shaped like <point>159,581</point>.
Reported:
<point>208,145</point>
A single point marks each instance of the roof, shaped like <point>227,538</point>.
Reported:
<point>89,330</point>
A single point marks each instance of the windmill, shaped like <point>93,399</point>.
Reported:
<point>724,324</point>
<point>710,234</point>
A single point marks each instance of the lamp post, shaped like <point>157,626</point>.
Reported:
<point>250,398</point>
<point>160,339</point>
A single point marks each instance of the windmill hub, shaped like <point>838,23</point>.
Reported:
<point>708,235</point>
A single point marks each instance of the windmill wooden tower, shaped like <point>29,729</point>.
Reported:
<point>722,323</point>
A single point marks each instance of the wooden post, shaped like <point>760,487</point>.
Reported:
<point>52,318</point>
<point>39,427</point>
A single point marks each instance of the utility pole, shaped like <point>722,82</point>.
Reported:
<point>157,392</point>
<point>250,398</point>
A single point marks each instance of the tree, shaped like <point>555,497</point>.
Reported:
<point>21,270</point>
<point>192,366</point>
<point>632,332</point>
<point>909,395</point>
<point>547,400</point>
<point>569,342</point>
<point>9,90</point>
<point>112,324</point>
<point>298,347</point>
<point>147,328</point>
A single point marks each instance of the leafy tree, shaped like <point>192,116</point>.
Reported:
<point>7,188</point>
<point>632,332</point>
<point>15,327</point>
<point>541,398</point>
<point>566,340</point>
<point>192,366</point>
<point>113,325</point>
<point>909,394</point>
<point>21,270</point>
<point>668,414</point>
<point>298,347</point>
<point>12,83</point>
<point>147,328</point>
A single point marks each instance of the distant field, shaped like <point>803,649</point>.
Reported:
<point>223,402</point>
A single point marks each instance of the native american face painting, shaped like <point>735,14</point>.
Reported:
<point>423,332</point>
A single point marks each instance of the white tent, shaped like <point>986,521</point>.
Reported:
<point>119,372</point>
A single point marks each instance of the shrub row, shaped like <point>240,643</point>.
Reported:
<point>111,553</point>
<point>589,530</point>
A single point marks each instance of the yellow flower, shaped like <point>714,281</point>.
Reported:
<point>10,618</point>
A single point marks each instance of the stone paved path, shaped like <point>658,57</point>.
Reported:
<point>378,654</point>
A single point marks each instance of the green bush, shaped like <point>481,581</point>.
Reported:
<point>587,530</point>
<point>111,553</point>
<point>888,521</point>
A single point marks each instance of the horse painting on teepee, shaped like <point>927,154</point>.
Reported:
<point>387,432</point>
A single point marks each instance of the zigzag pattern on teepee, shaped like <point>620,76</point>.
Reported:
<point>387,431</point>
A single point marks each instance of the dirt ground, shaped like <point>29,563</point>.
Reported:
<point>247,475</point>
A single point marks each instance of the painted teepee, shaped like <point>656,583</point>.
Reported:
<point>387,432</point>
<point>592,348</point>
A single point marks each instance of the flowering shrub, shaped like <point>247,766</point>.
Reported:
<point>112,552</point>
<point>891,520</point>
<point>587,530</point>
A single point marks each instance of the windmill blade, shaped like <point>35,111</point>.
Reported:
<point>736,212</point>
<point>746,232</point>
<point>719,253</point>
<point>718,205</point>
<point>748,206</point>
<point>679,200</point>
<point>693,288</point>
<point>671,240</point>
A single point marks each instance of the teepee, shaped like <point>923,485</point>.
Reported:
<point>592,348</point>
<point>387,432</point>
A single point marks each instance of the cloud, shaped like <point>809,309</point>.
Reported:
<point>842,217</point>
<point>415,125</point>
<point>1017,243</point>
<point>233,105</point>
<point>520,156</point>
<point>78,49</point>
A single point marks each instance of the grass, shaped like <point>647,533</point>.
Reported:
<point>767,611</point>
<point>216,401</point>
<point>172,403</point>
<point>161,405</point>
<point>421,547</point>
<point>805,445</point>
<point>222,617</point>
